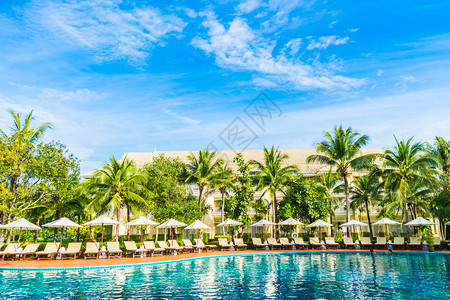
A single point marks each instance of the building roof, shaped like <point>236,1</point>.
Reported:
<point>296,157</point>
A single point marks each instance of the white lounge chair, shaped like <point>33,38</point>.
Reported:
<point>114,249</point>
<point>91,248</point>
<point>49,251</point>
<point>131,247</point>
<point>150,246</point>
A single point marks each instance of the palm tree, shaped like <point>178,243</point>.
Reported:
<point>342,149</point>
<point>272,177</point>
<point>203,170</point>
<point>223,182</point>
<point>365,189</point>
<point>403,165</point>
<point>333,184</point>
<point>117,185</point>
<point>440,152</point>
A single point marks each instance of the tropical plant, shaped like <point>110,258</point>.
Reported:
<point>272,177</point>
<point>117,185</point>
<point>403,165</point>
<point>365,190</point>
<point>223,182</point>
<point>440,152</point>
<point>333,184</point>
<point>342,149</point>
<point>202,170</point>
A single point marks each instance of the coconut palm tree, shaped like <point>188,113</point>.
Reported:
<point>272,177</point>
<point>342,150</point>
<point>404,165</point>
<point>364,191</point>
<point>223,182</point>
<point>440,152</point>
<point>333,184</point>
<point>24,132</point>
<point>202,170</point>
<point>117,185</point>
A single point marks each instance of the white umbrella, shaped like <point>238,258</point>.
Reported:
<point>62,223</point>
<point>387,222</point>
<point>448,223</point>
<point>290,221</point>
<point>171,223</point>
<point>229,222</point>
<point>102,220</point>
<point>199,225</point>
<point>21,224</point>
<point>419,222</point>
<point>353,223</point>
<point>319,223</point>
<point>142,221</point>
<point>263,223</point>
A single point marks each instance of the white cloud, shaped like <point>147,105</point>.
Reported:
<point>59,95</point>
<point>241,48</point>
<point>184,119</point>
<point>248,6</point>
<point>294,46</point>
<point>380,72</point>
<point>102,27</point>
<point>325,41</point>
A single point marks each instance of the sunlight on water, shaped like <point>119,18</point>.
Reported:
<point>296,276</point>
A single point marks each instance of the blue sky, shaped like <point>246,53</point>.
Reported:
<point>124,76</point>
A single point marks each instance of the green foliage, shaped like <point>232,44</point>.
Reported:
<point>427,236</point>
<point>220,236</point>
<point>338,237</point>
<point>355,236</point>
<point>236,206</point>
<point>382,234</point>
<point>305,200</point>
<point>366,234</point>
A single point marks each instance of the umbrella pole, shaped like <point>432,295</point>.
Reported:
<point>142,234</point>
<point>20,232</point>
<point>102,233</point>
<point>62,231</point>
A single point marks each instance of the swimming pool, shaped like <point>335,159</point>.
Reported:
<point>276,276</point>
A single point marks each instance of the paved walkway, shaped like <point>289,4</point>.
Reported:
<point>32,263</point>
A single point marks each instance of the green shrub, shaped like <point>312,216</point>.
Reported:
<point>366,234</point>
<point>246,237</point>
<point>338,237</point>
<point>382,234</point>
<point>427,236</point>
<point>219,236</point>
<point>355,236</point>
<point>404,235</point>
<point>305,236</point>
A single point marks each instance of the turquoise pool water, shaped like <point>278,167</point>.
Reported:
<point>280,276</point>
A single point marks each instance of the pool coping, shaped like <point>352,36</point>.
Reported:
<point>128,265</point>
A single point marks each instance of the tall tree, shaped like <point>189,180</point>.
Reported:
<point>202,170</point>
<point>333,184</point>
<point>342,149</point>
<point>440,152</point>
<point>403,165</point>
<point>364,191</point>
<point>224,183</point>
<point>117,185</point>
<point>272,177</point>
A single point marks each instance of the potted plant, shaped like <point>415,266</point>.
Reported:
<point>427,237</point>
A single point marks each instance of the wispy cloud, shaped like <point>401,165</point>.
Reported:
<point>105,29</point>
<point>325,41</point>
<point>184,119</point>
<point>240,47</point>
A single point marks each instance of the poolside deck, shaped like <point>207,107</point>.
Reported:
<point>32,263</point>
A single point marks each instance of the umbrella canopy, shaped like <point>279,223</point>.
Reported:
<point>386,221</point>
<point>229,222</point>
<point>102,220</point>
<point>171,223</point>
<point>353,223</point>
<point>448,223</point>
<point>22,224</point>
<point>419,222</point>
<point>290,221</point>
<point>263,223</point>
<point>143,221</point>
<point>319,223</point>
<point>62,223</point>
<point>197,224</point>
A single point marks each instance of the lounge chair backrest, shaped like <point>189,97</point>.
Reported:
<point>1,245</point>
<point>173,243</point>
<point>329,240</point>
<point>298,240</point>
<point>31,248</point>
<point>73,247</point>
<point>238,241</point>
<point>284,240</point>
<point>11,248</point>
<point>256,241</point>
<point>436,241</point>
<point>91,247</point>
<point>348,240</point>
<point>314,240</point>
<point>130,245</point>
<point>399,240</point>
<point>113,246</point>
<point>365,240</point>
<point>162,244</point>
<point>199,242</point>
<point>272,241</point>
<point>187,243</point>
<point>149,245</point>
<point>51,247</point>
<point>415,240</point>
<point>381,240</point>
<point>223,242</point>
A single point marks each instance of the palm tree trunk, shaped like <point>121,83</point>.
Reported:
<point>331,222</point>
<point>128,220</point>
<point>275,215</point>
<point>118,225</point>
<point>405,210</point>
<point>368,218</point>
<point>78,230</point>
<point>200,198</point>
<point>223,205</point>
<point>347,202</point>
